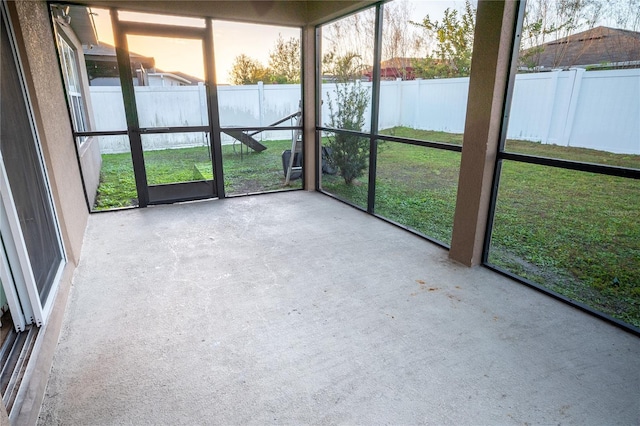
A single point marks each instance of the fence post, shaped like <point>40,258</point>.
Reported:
<point>204,114</point>
<point>260,103</point>
<point>202,98</point>
<point>573,105</point>
<point>551,101</point>
<point>416,112</point>
<point>398,88</point>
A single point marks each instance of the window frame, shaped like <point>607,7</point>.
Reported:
<point>75,96</point>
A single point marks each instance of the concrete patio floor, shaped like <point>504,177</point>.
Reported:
<point>294,308</point>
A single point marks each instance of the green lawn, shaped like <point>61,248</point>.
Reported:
<point>246,173</point>
<point>573,232</point>
<point>256,171</point>
<point>576,233</point>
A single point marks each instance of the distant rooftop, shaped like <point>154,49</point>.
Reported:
<point>597,46</point>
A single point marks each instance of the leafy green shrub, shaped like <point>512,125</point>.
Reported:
<point>347,153</point>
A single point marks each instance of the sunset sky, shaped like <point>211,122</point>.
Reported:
<point>230,40</point>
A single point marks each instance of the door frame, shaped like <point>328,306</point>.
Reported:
<point>14,259</point>
<point>18,280</point>
<point>182,191</point>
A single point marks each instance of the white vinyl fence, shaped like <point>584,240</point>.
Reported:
<point>598,110</point>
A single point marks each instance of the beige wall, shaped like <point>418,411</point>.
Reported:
<point>291,13</point>
<point>4,417</point>
<point>319,12</point>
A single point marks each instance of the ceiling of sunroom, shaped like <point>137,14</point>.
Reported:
<point>288,13</point>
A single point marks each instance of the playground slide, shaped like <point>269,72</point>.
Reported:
<point>249,141</point>
<point>245,139</point>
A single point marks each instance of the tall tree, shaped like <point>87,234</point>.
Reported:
<point>284,61</point>
<point>453,37</point>
<point>355,34</point>
<point>343,68</point>
<point>624,14</point>
<point>246,70</point>
<point>400,41</point>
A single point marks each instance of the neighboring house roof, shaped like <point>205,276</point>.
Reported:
<point>192,80</point>
<point>597,46</point>
<point>398,63</point>
<point>169,76</point>
<point>107,53</point>
<point>393,68</point>
<point>101,62</point>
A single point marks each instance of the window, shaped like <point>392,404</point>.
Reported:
<point>347,51</point>
<point>391,137</point>
<point>258,76</point>
<point>70,72</point>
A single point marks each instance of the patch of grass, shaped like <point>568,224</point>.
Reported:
<point>575,233</point>
<point>574,154</point>
<point>417,187</point>
<point>356,193</point>
<point>423,135</point>
<point>255,171</point>
<point>246,173</point>
<point>177,165</point>
<point>117,183</point>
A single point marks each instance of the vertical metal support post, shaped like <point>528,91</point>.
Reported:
<point>310,150</point>
<point>318,104</point>
<point>506,112</point>
<point>212,103</point>
<point>304,45</point>
<point>375,110</point>
<point>130,109</point>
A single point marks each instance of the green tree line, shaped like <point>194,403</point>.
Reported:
<point>283,66</point>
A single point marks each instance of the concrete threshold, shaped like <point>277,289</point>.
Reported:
<point>294,308</point>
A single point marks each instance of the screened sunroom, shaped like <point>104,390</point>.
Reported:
<point>319,212</point>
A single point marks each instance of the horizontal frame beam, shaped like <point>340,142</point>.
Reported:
<point>572,165</point>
